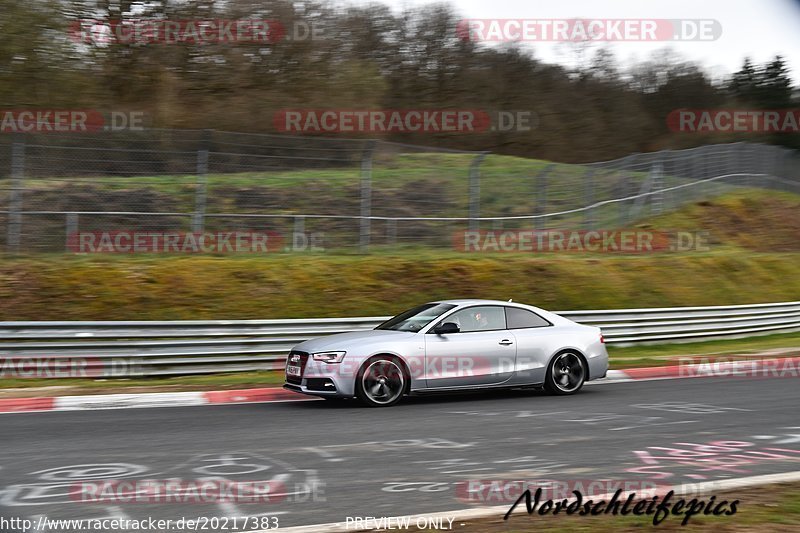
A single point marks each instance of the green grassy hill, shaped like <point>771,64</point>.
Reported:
<point>754,257</point>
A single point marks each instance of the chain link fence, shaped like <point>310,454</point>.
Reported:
<point>312,193</point>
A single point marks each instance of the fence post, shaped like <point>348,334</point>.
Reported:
<point>366,196</point>
<point>541,194</point>
<point>669,171</point>
<point>72,229</point>
<point>772,160</point>
<point>785,163</point>
<point>588,220</point>
<point>298,233</point>
<point>741,163</point>
<point>198,221</point>
<point>657,177</point>
<point>704,189</point>
<point>15,199</point>
<point>785,170</point>
<point>475,191</point>
<point>391,231</point>
<point>626,182</point>
<point>642,196</point>
<point>754,165</point>
<point>622,205</point>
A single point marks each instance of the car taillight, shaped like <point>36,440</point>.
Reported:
<point>602,339</point>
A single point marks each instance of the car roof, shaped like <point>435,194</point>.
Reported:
<point>475,301</point>
<point>549,315</point>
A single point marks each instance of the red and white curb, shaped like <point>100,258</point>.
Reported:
<point>765,368</point>
<point>149,399</point>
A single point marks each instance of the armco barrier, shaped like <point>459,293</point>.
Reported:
<point>143,348</point>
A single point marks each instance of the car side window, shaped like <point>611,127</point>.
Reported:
<point>522,318</point>
<point>480,318</point>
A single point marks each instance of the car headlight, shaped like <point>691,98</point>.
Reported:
<point>329,357</point>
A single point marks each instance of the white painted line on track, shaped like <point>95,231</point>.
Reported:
<point>126,401</point>
<point>500,510</point>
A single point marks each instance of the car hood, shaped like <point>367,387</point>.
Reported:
<point>346,341</point>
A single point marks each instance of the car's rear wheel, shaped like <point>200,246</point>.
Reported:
<point>566,374</point>
<point>381,382</point>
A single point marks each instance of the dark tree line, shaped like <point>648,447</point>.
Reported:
<point>367,57</point>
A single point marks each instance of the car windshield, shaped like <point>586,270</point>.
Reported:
<point>417,318</point>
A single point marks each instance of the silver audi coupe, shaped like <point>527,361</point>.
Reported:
<point>452,345</point>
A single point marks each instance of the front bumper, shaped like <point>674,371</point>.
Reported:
<point>316,386</point>
<point>305,390</point>
<point>318,378</point>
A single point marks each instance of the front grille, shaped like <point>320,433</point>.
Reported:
<point>302,363</point>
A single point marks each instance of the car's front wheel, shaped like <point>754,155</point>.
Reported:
<point>381,382</point>
<point>566,374</point>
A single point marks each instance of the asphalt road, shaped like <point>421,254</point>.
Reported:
<point>409,459</point>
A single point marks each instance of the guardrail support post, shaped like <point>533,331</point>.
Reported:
<point>15,199</point>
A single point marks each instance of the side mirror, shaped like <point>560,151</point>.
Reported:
<point>446,328</point>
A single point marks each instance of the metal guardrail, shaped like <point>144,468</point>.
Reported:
<point>145,348</point>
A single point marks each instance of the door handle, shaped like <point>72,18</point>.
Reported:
<point>505,342</point>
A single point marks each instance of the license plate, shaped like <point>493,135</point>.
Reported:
<point>293,370</point>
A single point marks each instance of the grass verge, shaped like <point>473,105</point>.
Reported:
<point>214,287</point>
